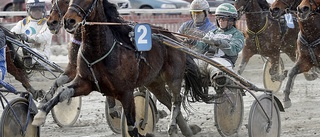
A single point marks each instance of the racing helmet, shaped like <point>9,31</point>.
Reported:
<point>36,4</point>
<point>200,5</point>
<point>228,10</point>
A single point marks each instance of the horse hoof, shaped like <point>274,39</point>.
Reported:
<point>39,118</point>
<point>287,104</point>
<point>311,77</point>
<point>195,129</point>
<point>173,131</point>
<point>162,114</point>
<point>150,135</point>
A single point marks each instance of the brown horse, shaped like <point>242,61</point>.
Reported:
<point>265,36</point>
<point>16,67</point>
<point>109,63</point>
<point>54,22</point>
<point>308,39</point>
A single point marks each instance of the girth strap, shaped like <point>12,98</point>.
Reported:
<point>310,47</point>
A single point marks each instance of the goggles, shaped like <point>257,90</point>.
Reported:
<point>196,12</point>
<point>223,18</point>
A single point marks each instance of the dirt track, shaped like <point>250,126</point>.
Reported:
<point>302,119</point>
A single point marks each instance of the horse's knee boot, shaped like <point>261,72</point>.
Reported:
<point>66,94</point>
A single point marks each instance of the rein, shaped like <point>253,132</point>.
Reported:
<point>113,23</point>
<point>310,47</point>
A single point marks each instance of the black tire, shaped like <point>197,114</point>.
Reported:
<point>139,100</point>
<point>66,113</point>
<point>258,122</point>
<point>9,125</point>
<point>228,112</point>
<point>114,123</point>
<point>267,82</point>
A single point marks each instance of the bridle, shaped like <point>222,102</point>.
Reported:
<point>81,12</point>
<point>246,9</point>
<point>57,8</point>
<point>315,11</point>
<point>289,6</point>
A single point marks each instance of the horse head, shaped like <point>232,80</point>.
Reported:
<point>281,7</point>
<point>250,6</point>
<point>58,10</point>
<point>308,8</point>
<point>78,13</point>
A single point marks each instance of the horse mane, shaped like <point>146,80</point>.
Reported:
<point>112,15</point>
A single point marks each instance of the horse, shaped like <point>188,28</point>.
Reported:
<point>54,22</point>
<point>307,42</point>
<point>109,63</point>
<point>16,67</point>
<point>265,36</point>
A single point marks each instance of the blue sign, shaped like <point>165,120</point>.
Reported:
<point>142,37</point>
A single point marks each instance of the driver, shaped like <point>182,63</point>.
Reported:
<point>227,41</point>
<point>34,30</point>
<point>199,24</point>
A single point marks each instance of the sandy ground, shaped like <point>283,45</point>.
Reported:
<point>301,120</point>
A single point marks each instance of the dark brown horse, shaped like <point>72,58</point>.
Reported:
<point>54,22</point>
<point>308,41</point>
<point>16,67</point>
<point>109,63</point>
<point>265,36</point>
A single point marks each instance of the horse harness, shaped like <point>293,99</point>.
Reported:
<point>310,47</point>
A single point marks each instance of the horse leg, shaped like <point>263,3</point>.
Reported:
<point>158,89</point>
<point>127,101</point>
<point>310,75</point>
<point>21,76</point>
<point>246,55</point>
<point>77,88</point>
<point>296,69</point>
<point>274,69</point>
<point>68,75</point>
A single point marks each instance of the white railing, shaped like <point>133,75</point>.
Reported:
<point>121,11</point>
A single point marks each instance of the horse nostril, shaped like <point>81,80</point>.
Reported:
<point>305,9</point>
<point>276,10</point>
<point>54,22</point>
<point>70,21</point>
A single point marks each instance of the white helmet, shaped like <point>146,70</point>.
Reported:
<point>36,4</point>
<point>199,5</point>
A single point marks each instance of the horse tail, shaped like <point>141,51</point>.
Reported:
<point>194,87</point>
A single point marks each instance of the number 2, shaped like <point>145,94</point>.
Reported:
<point>141,39</point>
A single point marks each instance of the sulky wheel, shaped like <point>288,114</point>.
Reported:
<point>9,123</point>
<point>140,101</point>
<point>228,111</point>
<point>267,82</point>
<point>66,113</point>
<point>114,122</point>
<point>259,125</point>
